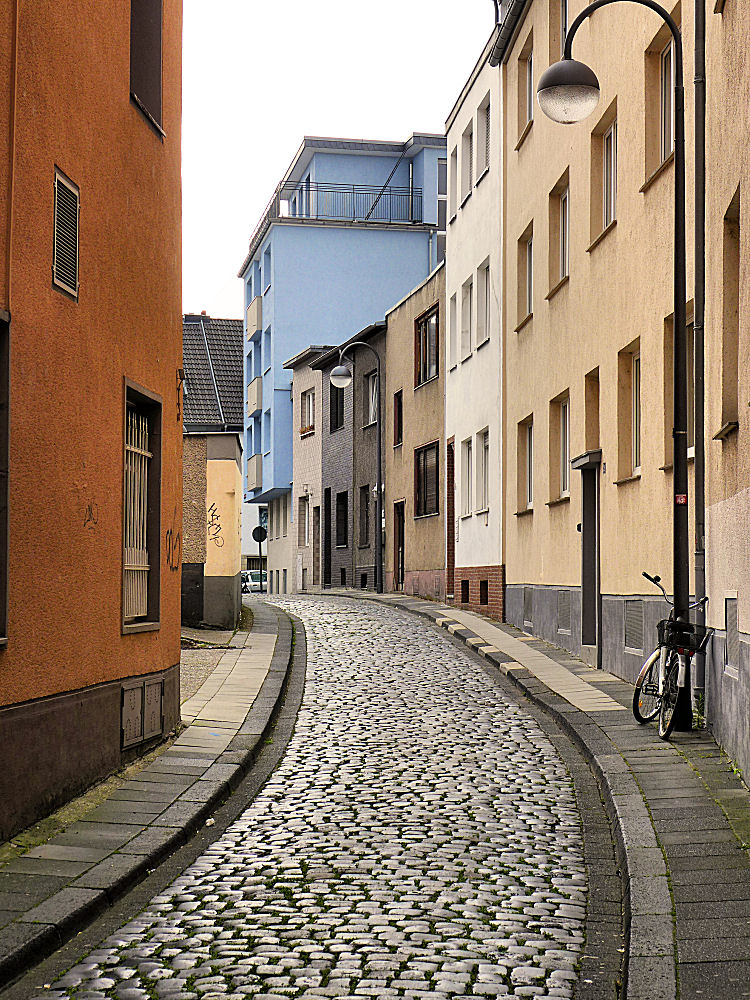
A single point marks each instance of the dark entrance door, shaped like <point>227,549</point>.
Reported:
<point>327,537</point>
<point>450,514</point>
<point>591,598</point>
<point>316,546</point>
<point>398,541</point>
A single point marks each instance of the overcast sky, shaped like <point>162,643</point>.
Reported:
<point>260,76</point>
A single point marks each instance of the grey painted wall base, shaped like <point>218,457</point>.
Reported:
<point>222,600</point>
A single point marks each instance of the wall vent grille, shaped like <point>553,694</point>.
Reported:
<point>563,611</point>
<point>634,624</point>
<point>528,605</point>
<point>732,648</point>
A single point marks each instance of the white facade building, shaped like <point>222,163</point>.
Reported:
<point>474,394</point>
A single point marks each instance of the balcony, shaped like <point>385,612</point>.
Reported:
<point>254,472</point>
<point>354,203</point>
<point>254,317</point>
<point>255,397</point>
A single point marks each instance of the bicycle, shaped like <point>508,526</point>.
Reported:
<point>664,673</point>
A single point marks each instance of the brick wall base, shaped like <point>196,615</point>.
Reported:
<point>493,577</point>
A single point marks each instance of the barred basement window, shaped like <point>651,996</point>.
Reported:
<point>141,510</point>
<point>65,242</point>
<point>634,624</point>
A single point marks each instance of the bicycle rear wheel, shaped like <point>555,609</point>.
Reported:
<point>646,694</point>
<point>670,693</point>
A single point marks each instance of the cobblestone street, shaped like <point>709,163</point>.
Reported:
<point>420,838</point>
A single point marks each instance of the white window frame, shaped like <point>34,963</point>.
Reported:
<point>483,136</point>
<point>565,233</point>
<point>690,362</point>
<point>453,335</point>
<point>467,161</point>
<point>307,407</point>
<point>563,25</point>
<point>530,87</point>
<point>453,183</point>
<point>483,471</point>
<point>372,398</point>
<point>467,318</point>
<point>565,447</point>
<point>466,477</point>
<point>530,465</point>
<point>636,407</point>
<point>530,275</point>
<point>609,179</point>
<point>666,100</point>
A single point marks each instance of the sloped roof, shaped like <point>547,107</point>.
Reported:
<point>212,359</point>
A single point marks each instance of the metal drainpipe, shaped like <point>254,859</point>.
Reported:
<point>699,679</point>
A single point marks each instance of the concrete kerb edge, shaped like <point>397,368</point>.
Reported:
<point>612,790</point>
<point>19,958</point>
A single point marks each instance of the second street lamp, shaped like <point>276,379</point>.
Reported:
<point>341,377</point>
<point>568,92</point>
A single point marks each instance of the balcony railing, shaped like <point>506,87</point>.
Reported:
<point>254,317</point>
<point>330,202</point>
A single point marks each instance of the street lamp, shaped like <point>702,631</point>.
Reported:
<point>341,377</point>
<point>568,92</point>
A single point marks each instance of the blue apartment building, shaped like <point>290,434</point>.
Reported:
<point>352,227</point>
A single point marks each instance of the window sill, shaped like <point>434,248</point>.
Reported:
<point>434,513</point>
<point>427,381</point>
<point>558,500</point>
<point>466,197</point>
<point>607,229</point>
<point>148,116</point>
<point>267,288</point>
<point>3,643</point>
<point>524,133</point>
<point>524,322</point>
<point>657,173</point>
<point>306,432</point>
<point>628,479</point>
<point>726,430</point>
<point>482,510</point>
<point>370,423</point>
<point>453,367</point>
<point>485,341</point>
<point>465,516</point>
<point>133,627</point>
<point>556,288</point>
<point>523,513</point>
<point>668,466</point>
<point>466,357</point>
<point>267,370</point>
<point>363,545</point>
<point>482,175</point>
<point>334,429</point>
<point>342,547</point>
<point>452,219</point>
<point>398,444</point>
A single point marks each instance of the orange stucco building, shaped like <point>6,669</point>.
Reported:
<point>90,377</point>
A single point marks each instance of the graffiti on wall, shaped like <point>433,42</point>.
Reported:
<point>91,515</point>
<point>173,541</point>
<point>214,526</point>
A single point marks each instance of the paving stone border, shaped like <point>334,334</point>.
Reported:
<point>72,885</point>
<point>650,965</point>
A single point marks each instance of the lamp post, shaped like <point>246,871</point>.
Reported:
<point>341,377</point>
<point>568,92</point>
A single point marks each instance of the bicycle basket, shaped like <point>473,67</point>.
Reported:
<point>689,636</point>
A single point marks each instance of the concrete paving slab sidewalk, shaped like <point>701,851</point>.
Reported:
<point>51,891</point>
<point>680,813</point>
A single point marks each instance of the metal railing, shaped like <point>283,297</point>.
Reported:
<point>323,202</point>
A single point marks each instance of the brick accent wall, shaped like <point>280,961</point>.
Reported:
<point>479,577</point>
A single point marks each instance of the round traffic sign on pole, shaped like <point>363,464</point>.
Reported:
<point>259,533</point>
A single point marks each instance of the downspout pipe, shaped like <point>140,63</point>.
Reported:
<point>699,663</point>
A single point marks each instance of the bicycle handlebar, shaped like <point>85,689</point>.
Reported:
<point>656,580</point>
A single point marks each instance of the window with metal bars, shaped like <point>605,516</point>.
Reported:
<point>141,514</point>
<point>65,240</point>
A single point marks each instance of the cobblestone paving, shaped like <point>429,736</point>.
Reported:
<point>419,839</point>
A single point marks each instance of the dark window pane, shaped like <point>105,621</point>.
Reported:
<point>442,176</point>
<point>145,55</point>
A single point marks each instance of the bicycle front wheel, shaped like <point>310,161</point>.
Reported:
<point>646,694</point>
<point>669,695</point>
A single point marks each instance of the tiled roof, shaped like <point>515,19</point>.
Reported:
<point>212,359</point>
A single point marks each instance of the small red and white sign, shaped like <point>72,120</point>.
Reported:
<point>680,499</point>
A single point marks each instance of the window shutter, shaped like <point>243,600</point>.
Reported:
<point>65,247</point>
<point>431,480</point>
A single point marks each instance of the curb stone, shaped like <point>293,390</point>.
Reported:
<point>49,922</point>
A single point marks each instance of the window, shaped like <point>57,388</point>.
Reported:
<point>371,398</point>
<point>525,464</point>
<point>526,87</point>
<point>270,518</point>
<point>398,417</point>
<point>467,162</point>
<point>426,347</point>
<point>4,470</point>
<point>609,177</point>
<point>526,274</point>
<point>690,363</point>
<point>303,521</point>
<point>307,411</point>
<point>141,509</point>
<point>483,470</point>
<point>666,100</point>
<point>564,235</point>
<point>558,28</point>
<point>466,477</point>
<point>636,419</point>
<point>563,25</point>
<point>284,513</point>
<point>65,238</point>
<point>364,515</point>
<point>564,410</point>
<point>453,183</point>
<point>426,480</point>
<point>629,412</point>
<point>266,270</point>
<point>559,233</point>
<point>337,408</point>
<point>145,58</point>
<point>442,208</point>
<point>453,345</point>
<point>342,520</point>
<point>283,581</point>
<point>467,291</point>
<point>730,318</point>
<point>483,303</point>
<point>483,137</point>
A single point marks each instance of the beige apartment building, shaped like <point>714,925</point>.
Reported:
<point>414,442</point>
<point>727,370</point>
<point>588,259</point>
<point>307,462</point>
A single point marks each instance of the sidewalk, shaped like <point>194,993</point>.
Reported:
<point>680,813</point>
<point>51,891</point>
